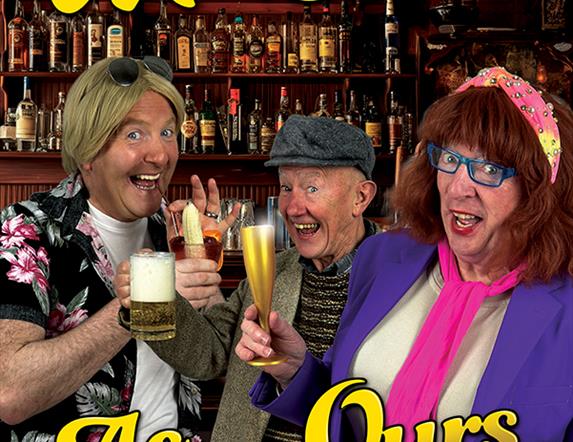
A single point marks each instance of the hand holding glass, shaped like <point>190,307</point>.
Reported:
<point>259,257</point>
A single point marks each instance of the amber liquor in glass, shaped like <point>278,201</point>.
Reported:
<point>78,30</point>
<point>189,130</point>
<point>273,49</point>
<point>183,46</point>
<point>255,47</point>
<point>37,41</point>
<point>201,47</point>
<point>220,43</point>
<point>284,111</point>
<point>18,41</point>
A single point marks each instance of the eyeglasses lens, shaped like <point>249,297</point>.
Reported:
<point>123,71</point>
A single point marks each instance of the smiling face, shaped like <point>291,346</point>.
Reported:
<point>126,179</point>
<point>322,209</point>
<point>473,216</point>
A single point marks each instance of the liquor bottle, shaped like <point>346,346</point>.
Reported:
<point>78,43</point>
<point>55,136</point>
<point>391,39</point>
<point>147,47</point>
<point>115,36</point>
<point>37,41</point>
<point>298,108</point>
<point>373,125</point>
<point>220,42</point>
<point>26,114</point>
<point>163,35</point>
<point>18,41</point>
<point>408,133</point>
<point>394,122</point>
<point>267,135</point>
<point>96,26</point>
<point>290,45</point>
<point>254,133</point>
<point>239,46</point>
<point>308,43</point>
<point>358,37</point>
<point>338,109</point>
<point>207,124</point>
<point>183,46</point>
<point>234,122</point>
<point>353,115</point>
<point>256,48</point>
<point>273,48</point>
<point>201,46</point>
<point>344,40</point>
<point>284,111</point>
<point>58,59</point>
<point>188,142</point>
<point>327,41</point>
<point>322,107</point>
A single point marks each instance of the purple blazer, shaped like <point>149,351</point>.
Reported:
<point>530,370</point>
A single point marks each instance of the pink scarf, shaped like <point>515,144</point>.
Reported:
<point>416,390</point>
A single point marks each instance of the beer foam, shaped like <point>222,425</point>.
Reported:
<point>152,277</point>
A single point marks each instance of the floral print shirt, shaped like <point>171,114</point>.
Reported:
<point>55,272</point>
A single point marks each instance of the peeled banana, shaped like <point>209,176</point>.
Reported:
<point>194,247</point>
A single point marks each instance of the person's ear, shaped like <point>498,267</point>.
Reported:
<point>364,194</point>
<point>86,167</point>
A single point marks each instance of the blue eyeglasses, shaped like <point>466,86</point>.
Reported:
<point>482,172</point>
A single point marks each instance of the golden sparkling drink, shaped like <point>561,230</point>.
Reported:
<point>152,296</point>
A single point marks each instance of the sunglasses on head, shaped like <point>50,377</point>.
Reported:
<point>125,70</point>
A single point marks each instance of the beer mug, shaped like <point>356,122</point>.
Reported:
<point>152,276</point>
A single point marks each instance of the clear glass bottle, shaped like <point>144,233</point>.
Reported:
<point>283,113</point>
<point>238,46</point>
<point>344,39</point>
<point>163,35</point>
<point>220,42</point>
<point>308,44</point>
<point>255,45</point>
<point>273,49</point>
<point>183,46</point>
<point>18,41</point>
<point>391,40</point>
<point>327,42</point>
<point>188,141</point>
<point>58,60</point>
<point>55,137</point>
<point>115,36</point>
<point>290,45</point>
<point>201,46</point>
<point>322,107</point>
<point>254,133</point>
<point>37,41</point>
<point>78,31</point>
<point>26,114</point>
<point>353,115</point>
<point>96,30</point>
<point>338,107</point>
<point>267,135</point>
<point>207,124</point>
<point>298,107</point>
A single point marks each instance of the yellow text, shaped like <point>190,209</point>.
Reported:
<point>72,6</point>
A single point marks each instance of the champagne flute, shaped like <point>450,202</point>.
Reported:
<point>259,257</point>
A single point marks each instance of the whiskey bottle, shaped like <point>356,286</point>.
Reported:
<point>284,111</point>
<point>201,46</point>
<point>37,41</point>
<point>55,136</point>
<point>322,107</point>
<point>58,58</point>
<point>234,122</point>
<point>338,108</point>
<point>18,41</point>
<point>183,46</point>
<point>26,114</point>
<point>188,141</point>
<point>163,35</point>
<point>115,36</point>
<point>327,41</point>
<point>290,45</point>
<point>255,45</point>
<point>239,46</point>
<point>344,40</point>
<point>353,115</point>
<point>96,26</point>
<point>298,107</point>
<point>392,40</point>
<point>78,43</point>
<point>308,43</point>
<point>394,122</point>
<point>254,133</point>
<point>207,124</point>
<point>373,125</point>
<point>220,42</point>
<point>273,48</point>
<point>267,135</point>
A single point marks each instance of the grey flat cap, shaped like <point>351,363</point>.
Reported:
<point>312,141</point>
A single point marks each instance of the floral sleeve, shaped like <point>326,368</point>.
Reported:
<point>24,268</point>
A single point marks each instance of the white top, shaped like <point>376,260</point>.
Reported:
<point>383,352</point>
<point>154,389</point>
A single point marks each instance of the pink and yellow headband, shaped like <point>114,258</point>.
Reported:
<point>537,113</point>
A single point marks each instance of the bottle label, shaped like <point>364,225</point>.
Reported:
<point>308,51</point>
<point>220,46</point>
<point>115,41</point>
<point>292,60</point>
<point>253,137</point>
<point>25,125</point>
<point>78,49</point>
<point>96,32</point>
<point>58,41</point>
<point>201,54</point>
<point>238,46</point>
<point>273,47</point>
<point>374,130</point>
<point>189,128</point>
<point>207,128</point>
<point>183,53</point>
<point>256,48</point>
<point>326,47</point>
<point>37,43</point>
<point>391,28</point>
<point>16,43</point>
